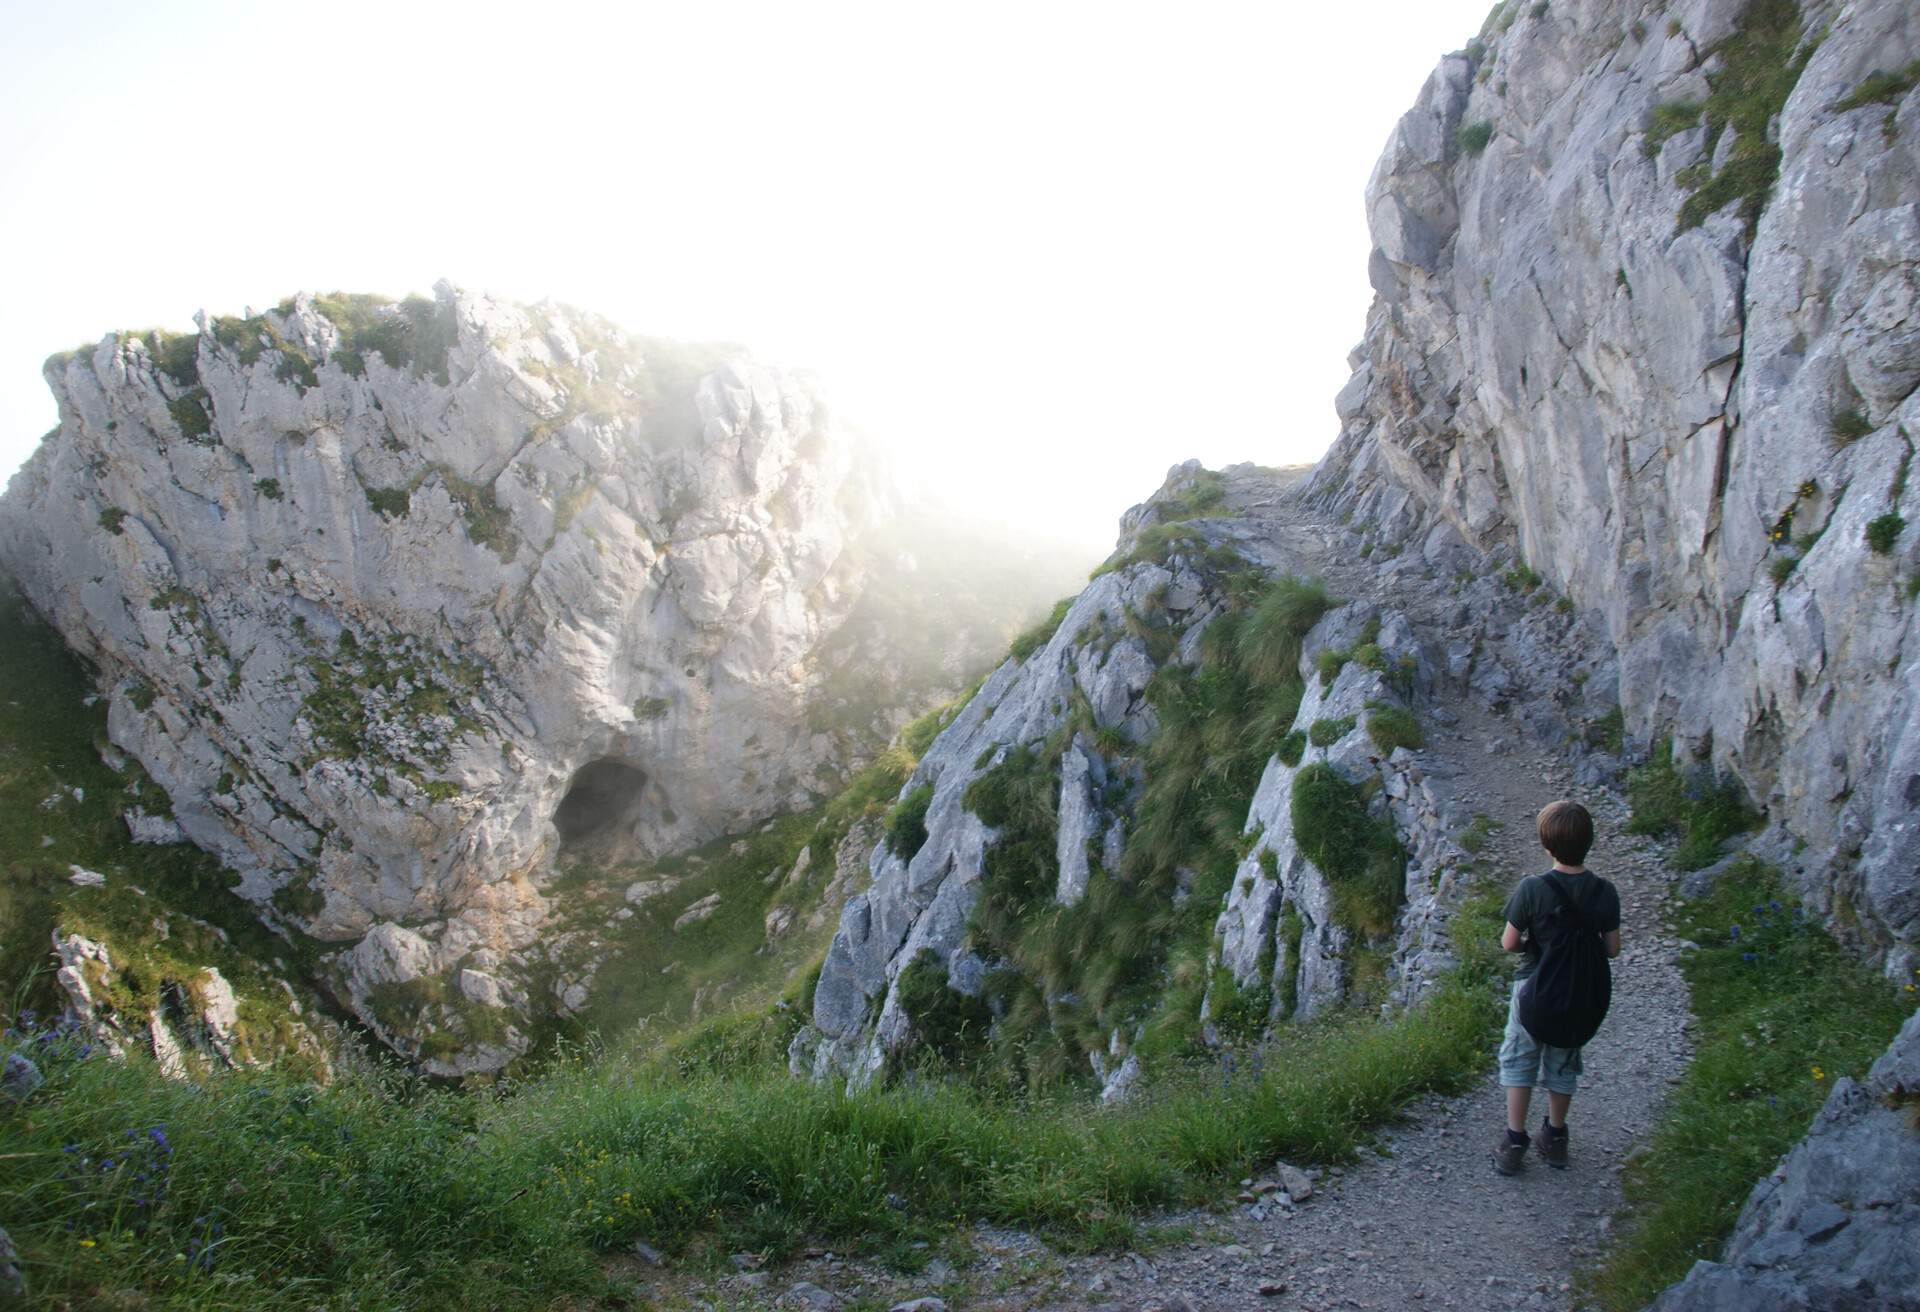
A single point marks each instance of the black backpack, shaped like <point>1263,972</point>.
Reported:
<point>1563,1002</point>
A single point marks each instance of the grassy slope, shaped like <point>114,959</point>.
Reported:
<point>60,805</point>
<point>374,1192</point>
<point>1783,1012</point>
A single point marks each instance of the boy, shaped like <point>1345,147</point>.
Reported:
<point>1566,831</point>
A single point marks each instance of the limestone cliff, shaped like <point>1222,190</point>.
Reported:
<point>1648,313</point>
<point>400,602</point>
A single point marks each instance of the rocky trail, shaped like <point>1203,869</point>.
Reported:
<point>1421,1220</point>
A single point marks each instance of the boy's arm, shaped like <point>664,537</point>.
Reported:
<point>1612,939</point>
<point>1512,940</point>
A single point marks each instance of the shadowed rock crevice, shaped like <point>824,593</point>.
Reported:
<point>601,805</point>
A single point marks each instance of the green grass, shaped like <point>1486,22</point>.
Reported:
<point>1522,577</point>
<point>49,747</point>
<point>1781,568</point>
<point>1701,811</point>
<point>415,334</point>
<point>1040,634</point>
<point>378,1192</point>
<point>1782,1013</point>
<point>1391,726</point>
<point>1669,120</point>
<point>1325,733</point>
<point>1471,139</point>
<point>1360,856</point>
<point>1881,88</point>
<point>1610,731</point>
<point>189,411</point>
<point>906,831</point>
<point>1849,426</point>
<point>1760,63</point>
<point>1883,531</point>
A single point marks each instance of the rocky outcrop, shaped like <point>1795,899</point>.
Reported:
<point>397,601</point>
<point>1833,1226</point>
<point>920,903</point>
<point>1609,339</point>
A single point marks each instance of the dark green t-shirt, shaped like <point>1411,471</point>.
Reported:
<point>1532,900</point>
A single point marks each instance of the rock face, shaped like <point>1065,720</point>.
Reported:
<point>1685,397</point>
<point>1833,1226</point>
<point>398,602</point>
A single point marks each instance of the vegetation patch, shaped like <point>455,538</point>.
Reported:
<point>1760,63</point>
<point>1782,1012</point>
<point>1883,531</point>
<point>415,335</point>
<point>1325,733</point>
<point>1703,812</point>
<point>1391,726</point>
<point>1470,139</point>
<point>177,355</point>
<point>1291,748</point>
<point>947,1023</point>
<point>651,708</point>
<point>907,823</point>
<point>390,502</point>
<point>1042,633</point>
<point>112,518</point>
<point>189,411</point>
<point>269,488</point>
<point>1881,88</point>
<point>1360,856</point>
<point>1669,120</point>
<point>1850,426</point>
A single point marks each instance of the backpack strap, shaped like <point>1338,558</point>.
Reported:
<point>1564,895</point>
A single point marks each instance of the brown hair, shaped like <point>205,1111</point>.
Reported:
<point>1566,830</point>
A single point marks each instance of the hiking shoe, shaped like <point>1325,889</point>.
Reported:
<point>1552,1146</point>
<point>1508,1156</point>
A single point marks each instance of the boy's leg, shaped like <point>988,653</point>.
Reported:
<point>1557,1105</point>
<point>1518,1100</point>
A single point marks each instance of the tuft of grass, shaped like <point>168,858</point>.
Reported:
<point>1782,1013</point>
<point>1610,731</point>
<point>1360,856</point>
<point>1325,733</point>
<point>416,334</point>
<point>1668,120</point>
<point>1781,567</point>
<point>1883,531</point>
<point>652,708</point>
<point>907,823</point>
<point>1850,426</point>
<point>1470,139</point>
<point>189,411</point>
<point>1881,88</point>
<point>1522,577</point>
<point>1391,726</point>
<point>112,518</point>
<point>1291,748</point>
<point>947,1023</point>
<point>390,502</point>
<point>269,488</point>
<point>1701,811</point>
<point>1042,633</point>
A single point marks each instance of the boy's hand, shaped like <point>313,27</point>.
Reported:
<point>1611,939</point>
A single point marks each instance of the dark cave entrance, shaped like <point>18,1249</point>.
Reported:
<point>602,802</point>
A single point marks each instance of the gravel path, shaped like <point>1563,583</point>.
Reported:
<point>1424,1220</point>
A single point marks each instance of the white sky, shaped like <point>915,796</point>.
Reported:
<point>1043,251</point>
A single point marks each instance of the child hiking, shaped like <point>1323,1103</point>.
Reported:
<point>1567,923</point>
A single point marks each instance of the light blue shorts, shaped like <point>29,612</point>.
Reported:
<point>1527,1064</point>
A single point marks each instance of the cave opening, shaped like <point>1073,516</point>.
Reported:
<point>602,802</point>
